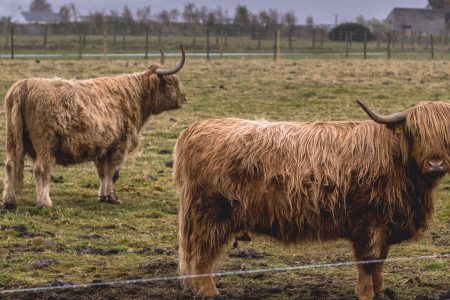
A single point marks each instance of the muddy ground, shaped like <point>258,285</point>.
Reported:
<point>173,290</point>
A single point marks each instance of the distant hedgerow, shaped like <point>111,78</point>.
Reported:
<point>357,32</point>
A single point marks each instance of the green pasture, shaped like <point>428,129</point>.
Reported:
<point>89,240</point>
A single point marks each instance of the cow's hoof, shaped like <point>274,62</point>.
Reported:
<point>10,205</point>
<point>388,294</point>
<point>215,297</point>
<point>44,206</point>
<point>112,199</point>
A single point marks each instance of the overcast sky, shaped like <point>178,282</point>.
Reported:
<point>323,11</point>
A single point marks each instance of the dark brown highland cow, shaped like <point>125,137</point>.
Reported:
<point>57,121</point>
<point>369,182</point>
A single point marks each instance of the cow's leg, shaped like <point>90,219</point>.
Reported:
<point>100,165</point>
<point>209,230</point>
<point>369,243</point>
<point>41,170</point>
<point>377,275</point>
<point>108,171</point>
<point>9,192</point>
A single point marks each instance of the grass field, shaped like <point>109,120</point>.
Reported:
<point>81,240</point>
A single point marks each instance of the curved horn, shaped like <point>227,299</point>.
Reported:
<point>393,118</point>
<point>175,69</point>
<point>162,56</point>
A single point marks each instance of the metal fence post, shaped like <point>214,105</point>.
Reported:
<point>432,46</point>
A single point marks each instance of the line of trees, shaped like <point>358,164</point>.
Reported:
<point>191,14</point>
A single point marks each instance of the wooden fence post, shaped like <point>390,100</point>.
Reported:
<point>365,44</point>
<point>346,44</point>
<point>350,39</point>
<point>105,40</point>
<point>45,35</point>
<point>446,37</point>
<point>221,43</point>
<point>83,29</point>
<point>389,45</point>
<point>314,37</point>
<point>217,38</point>
<point>7,30</point>
<point>160,36</point>
<point>226,39</point>
<point>290,37</point>
<point>276,44</point>
<point>11,34</point>
<point>321,37</point>
<point>194,38</point>
<point>80,40</point>
<point>259,40</point>
<point>147,29</point>
<point>207,43</point>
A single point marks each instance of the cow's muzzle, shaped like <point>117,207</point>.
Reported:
<point>436,167</point>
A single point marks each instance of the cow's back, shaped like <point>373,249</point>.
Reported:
<point>72,119</point>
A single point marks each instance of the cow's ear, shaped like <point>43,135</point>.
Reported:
<point>397,128</point>
<point>162,80</point>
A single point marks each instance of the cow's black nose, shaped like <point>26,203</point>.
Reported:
<point>435,165</point>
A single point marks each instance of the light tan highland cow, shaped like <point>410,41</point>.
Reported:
<point>57,121</point>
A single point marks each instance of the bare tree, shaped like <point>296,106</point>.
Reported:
<point>439,4</point>
<point>263,17</point>
<point>215,16</point>
<point>128,19</point>
<point>242,15</point>
<point>143,14</point>
<point>66,13</point>
<point>309,21</point>
<point>97,19</point>
<point>74,12</point>
<point>190,13</point>
<point>167,17</point>
<point>270,19</point>
<point>221,15</point>
<point>173,15</point>
<point>290,19</point>
<point>274,18</point>
<point>191,16</point>
<point>203,14</point>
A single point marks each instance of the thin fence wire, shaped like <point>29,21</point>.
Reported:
<point>78,40</point>
<point>222,274</point>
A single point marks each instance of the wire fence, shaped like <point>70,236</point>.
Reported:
<point>108,39</point>
<point>222,274</point>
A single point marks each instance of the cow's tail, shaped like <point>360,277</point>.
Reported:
<point>181,166</point>
<point>15,153</point>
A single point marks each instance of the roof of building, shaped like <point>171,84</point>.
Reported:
<point>399,9</point>
<point>427,11</point>
<point>418,10</point>
<point>41,17</point>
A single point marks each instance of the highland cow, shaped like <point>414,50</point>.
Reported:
<point>57,121</point>
<point>369,182</point>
